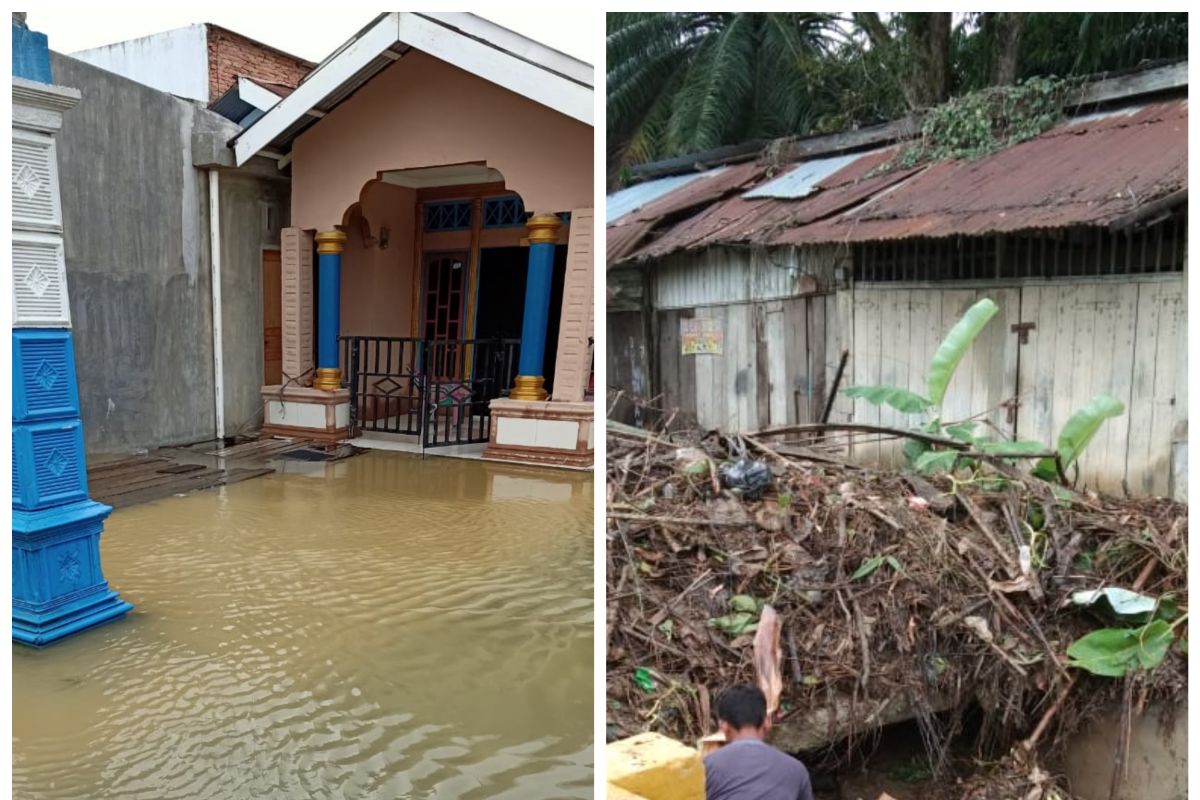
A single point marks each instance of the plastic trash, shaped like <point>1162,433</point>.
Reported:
<point>747,477</point>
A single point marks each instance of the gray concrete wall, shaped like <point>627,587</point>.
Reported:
<point>136,229</point>
<point>252,212</point>
<point>1157,765</point>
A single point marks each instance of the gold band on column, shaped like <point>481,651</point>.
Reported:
<point>528,387</point>
<point>543,229</point>
<point>329,379</point>
<point>330,242</point>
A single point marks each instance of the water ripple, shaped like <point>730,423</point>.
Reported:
<point>392,628</point>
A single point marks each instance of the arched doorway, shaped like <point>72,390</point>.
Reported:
<point>433,296</point>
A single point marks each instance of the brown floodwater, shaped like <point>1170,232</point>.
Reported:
<point>379,627</point>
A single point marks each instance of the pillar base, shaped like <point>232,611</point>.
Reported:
<point>549,433</point>
<point>528,388</point>
<point>328,379</point>
<point>58,588</point>
<point>299,412</point>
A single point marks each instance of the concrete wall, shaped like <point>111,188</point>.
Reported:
<point>173,61</point>
<point>136,228</point>
<point>1157,766</point>
<point>253,210</point>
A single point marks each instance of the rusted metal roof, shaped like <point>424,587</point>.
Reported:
<point>1091,170</point>
<point>621,240</point>
<point>627,233</point>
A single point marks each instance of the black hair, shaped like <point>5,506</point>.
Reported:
<point>741,706</point>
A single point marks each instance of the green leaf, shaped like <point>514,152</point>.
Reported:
<point>936,461</point>
<point>1084,424</point>
<point>1115,652</point>
<point>963,432</point>
<point>696,468</point>
<point>643,678</point>
<point>1006,448</point>
<point>952,349</point>
<point>736,624</point>
<point>902,400</point>
<point>868,566</point>
<point>872,564</point>
<point>913,448</point>
<point>744,602</point>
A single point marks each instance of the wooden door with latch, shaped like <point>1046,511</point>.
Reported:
<point>272,301</point>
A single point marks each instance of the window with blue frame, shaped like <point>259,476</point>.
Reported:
<point>503,212</point>
<point>450,215</point>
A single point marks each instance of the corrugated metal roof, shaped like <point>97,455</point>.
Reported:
<point>802,179</point>
<point>621,240</point>
<point>1081,173</point>
<point>1087,171</point>
<point>630,199</point>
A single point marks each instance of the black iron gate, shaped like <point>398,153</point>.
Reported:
<point>439,390</point>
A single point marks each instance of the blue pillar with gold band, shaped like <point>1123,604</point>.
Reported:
<point>543,235</point>
<point>58,586</point>
<point>330,245</point>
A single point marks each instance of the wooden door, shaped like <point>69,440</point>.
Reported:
<point>444,297</point>
<point>272,299</point>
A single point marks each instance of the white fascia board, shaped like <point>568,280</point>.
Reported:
<point>494,65</point>
<point>529,49</point>
<point>255,95</point>
<point>498,67</point>
<point>317,87</point>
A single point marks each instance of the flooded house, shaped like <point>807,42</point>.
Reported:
<point>435,281</point>
<point>738,278</point>
<point>162,278</point>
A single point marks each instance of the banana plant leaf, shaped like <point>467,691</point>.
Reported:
<point>952,349</point>
<point>902,400</point>
<point>1078,432</point>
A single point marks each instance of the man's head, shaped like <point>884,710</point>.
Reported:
<point>742,713</point>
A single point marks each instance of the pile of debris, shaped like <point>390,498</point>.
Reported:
<point>891,596</point>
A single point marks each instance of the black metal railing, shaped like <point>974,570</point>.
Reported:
<point>439,390</point>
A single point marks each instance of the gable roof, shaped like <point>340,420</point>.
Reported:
<point>471,43</point>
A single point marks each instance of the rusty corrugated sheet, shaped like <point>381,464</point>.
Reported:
<point>1088,172</point>
<point>621,239</point>
<point>742,219</point>
<point>628,232</point>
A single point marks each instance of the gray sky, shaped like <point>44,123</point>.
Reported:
<point>311,36</point>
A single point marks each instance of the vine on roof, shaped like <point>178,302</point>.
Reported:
<point>978,124</point>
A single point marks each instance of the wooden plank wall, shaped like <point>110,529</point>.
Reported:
<point>1127,339</point>
<point>775,368</point>
<point>627,363</point>
<point>897,330</point>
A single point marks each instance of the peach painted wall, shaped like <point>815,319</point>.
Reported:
<point>422,112</point>
<point>377,285</point>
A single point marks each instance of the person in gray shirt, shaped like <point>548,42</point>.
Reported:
<point>746,767</point>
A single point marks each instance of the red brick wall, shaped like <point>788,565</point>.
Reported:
<point>230,55</point>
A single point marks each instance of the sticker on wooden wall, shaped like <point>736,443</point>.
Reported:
<point>701,337</point>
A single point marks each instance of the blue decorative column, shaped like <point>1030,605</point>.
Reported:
<point>330,245</point>
<point>543,234</point>
<point>58,585</point>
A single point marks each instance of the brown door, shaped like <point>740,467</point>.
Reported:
<point>272,286</point>
<point>442,320</point>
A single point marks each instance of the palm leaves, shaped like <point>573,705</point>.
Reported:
<point>683,82</point>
